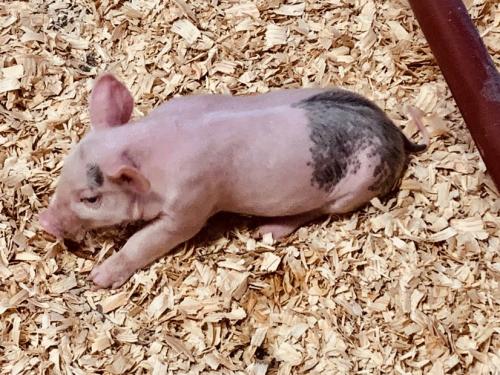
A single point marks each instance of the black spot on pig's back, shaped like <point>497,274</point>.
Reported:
<point>342,125</point>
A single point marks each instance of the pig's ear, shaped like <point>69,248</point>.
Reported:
<point>111,103</point>
<point>132,179</point>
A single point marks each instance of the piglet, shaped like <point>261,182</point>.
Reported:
<point>289,155</point>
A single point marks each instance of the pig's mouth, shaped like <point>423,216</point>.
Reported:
<point>66,237</point>
<point>73,236</point>
<point>76,248</point>
<point>56,228</point>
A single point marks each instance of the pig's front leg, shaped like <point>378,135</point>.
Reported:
<point>145,246</point>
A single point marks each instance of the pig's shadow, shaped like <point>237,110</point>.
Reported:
<point>223,224</point>
<point>220,225</point>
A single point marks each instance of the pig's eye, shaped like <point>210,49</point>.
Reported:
<point>91,201</point>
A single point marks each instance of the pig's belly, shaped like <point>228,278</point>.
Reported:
<point>270,196</point>
<point>269,168</point>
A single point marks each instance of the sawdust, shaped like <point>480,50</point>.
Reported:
<point>409,284</point>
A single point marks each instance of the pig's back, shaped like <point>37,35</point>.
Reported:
<point>292,155</point>
<point>199,105</point>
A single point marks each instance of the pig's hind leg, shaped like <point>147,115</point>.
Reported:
<point>281,227</point>
<point>144,247</point>
<point>352,199</point>
<point>368,177</point>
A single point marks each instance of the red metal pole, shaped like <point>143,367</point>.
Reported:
<point>469,71</point>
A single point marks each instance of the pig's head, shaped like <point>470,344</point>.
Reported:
<point>94,191</point>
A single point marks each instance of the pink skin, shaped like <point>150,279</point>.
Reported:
<point>189,159</point>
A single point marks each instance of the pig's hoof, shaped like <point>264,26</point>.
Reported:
<point>103,278</point>
<point>279,231</point>
<point>282,227</point>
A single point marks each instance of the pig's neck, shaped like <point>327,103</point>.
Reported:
<point>150,145</point>
<point>147,145</point>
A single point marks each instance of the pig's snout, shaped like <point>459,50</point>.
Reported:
<point>56,226</point>
<point>50,224</point>
<point>61,224</point>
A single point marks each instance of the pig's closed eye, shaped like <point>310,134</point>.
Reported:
<point>91,201</point>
